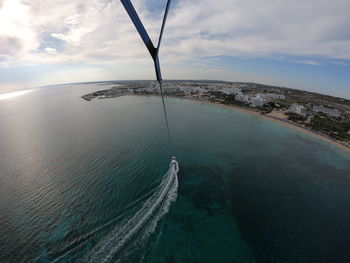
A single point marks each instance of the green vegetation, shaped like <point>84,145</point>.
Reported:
<point>336,128</point>
<point>265,110</point>
<point>295,117</point>
<point>230,100</point>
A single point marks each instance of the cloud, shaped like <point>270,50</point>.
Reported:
<point>9,45</point>
<point>307,62</point>
<point>306,28</point>
<point>50,50</point>
<point>17,39</point>
<point>99,31</point>
<point>339,63</point>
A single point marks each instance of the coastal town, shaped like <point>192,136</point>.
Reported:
<point>321,114</point>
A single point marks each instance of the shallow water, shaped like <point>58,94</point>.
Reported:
<point>76,176</point>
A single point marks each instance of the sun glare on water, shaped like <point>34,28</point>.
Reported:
<point>11,95</point>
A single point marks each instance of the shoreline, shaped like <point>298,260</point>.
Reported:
<point>283,122</point>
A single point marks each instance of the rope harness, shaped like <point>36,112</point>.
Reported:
<point>154,51</point>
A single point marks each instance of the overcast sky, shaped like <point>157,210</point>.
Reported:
<point>295,43</point>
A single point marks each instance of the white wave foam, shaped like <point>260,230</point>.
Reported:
<point>134,230</point>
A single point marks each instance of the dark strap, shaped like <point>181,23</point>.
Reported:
<point>144,35</point>
<point>139,26</point>
<point>152,50</point>
<point>163,24</point>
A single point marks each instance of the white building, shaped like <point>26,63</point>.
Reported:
<point>201,90</point>
<point>272,96</point>
<point>150,89</point>
<point>257,101</point>
<point>298,109</point>
<point>231,91</point>
<point>241,97</point>
<point>140,90</point>
<point>171,89</point>
<point>187,89</point>
<point>330,112</point>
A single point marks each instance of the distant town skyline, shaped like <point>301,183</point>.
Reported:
<point>296,44</point>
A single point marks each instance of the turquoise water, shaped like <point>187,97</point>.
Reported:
<point>88,182</point>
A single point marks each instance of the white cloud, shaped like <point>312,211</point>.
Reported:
<point>307,62</point>
<point>100,31</point>
<point>50,50</point>
<point>258,27</point>
<point>16,37</point>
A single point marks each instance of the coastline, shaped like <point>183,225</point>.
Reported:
<point>276,119</point>
<point>280,121</point>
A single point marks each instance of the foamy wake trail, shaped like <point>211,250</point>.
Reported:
<point>133,231</point>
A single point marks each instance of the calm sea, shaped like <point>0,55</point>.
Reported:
<point>88,182</point>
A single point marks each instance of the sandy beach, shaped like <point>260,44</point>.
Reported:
<point>281,119</point>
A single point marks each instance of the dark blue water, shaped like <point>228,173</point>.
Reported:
<point>87,182</point>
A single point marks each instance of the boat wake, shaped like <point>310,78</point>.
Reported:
<point>134,230</point>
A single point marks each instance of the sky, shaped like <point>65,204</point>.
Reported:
<point>291,43</point>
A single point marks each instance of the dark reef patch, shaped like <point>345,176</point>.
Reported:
<point>283,217</point>
<point>204,186</point>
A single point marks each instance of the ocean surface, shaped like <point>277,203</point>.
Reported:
<point>90,182</point>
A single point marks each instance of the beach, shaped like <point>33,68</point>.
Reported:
<point>278,117</point>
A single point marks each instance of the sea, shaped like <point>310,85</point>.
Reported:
<point>89,181</point>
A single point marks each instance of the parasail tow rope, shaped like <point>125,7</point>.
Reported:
<point>154,51</point>
<point>165,114</point>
